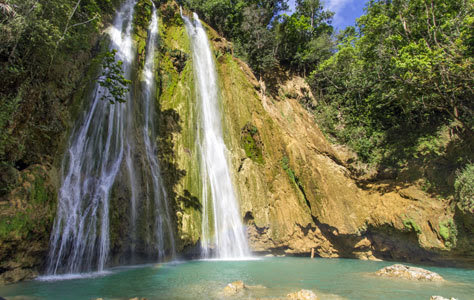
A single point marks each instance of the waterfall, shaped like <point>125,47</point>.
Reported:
<point>102,146</point>
<point>223,230</point>
<point>162,222</point>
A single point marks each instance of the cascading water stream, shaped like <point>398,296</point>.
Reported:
<point>80,236</point>
<point>225,232</point>
<point>162,223</point>
<point>103,146</point>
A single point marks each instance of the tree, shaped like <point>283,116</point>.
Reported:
<point>112,79</point>
<point>256,44</point>
<point>407,65</point>
<point>304,38</point>
<point>46,45</point>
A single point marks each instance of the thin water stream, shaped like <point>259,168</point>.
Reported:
<point>164,230</point>
<point>105,154</point>
<point>222,231</point>
<point>80,237</point>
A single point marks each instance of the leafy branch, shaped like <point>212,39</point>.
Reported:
<point>113,79</point>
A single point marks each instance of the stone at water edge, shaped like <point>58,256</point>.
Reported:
<point>441,298</point>
<point>406,272</point>
<point>302,295</point>
<point>234,288</point>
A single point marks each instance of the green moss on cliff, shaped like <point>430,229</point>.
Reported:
<point>17,226</point>
<point>177,129</point>
<point>448,232</point>
<point>251,142</point>
<point>35,200</point>
<point>141,21</point>
<point>411,225</point>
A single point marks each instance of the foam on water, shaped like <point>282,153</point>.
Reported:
<point>73,276</point>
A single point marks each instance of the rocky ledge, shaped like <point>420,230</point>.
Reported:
<point>238,288</point>
<point>302,295</point>
<point>411,273</point>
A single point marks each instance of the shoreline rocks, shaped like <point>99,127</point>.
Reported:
<point>407,272</point>
<point>234,288</point>
<point>302,295</point>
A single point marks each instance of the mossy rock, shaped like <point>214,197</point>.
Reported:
<point>411,225</point>
<point>448,232</point>
<point>32,203</point>
<point>252,143</point>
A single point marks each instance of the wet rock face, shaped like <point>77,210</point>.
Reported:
<point>410,273</point>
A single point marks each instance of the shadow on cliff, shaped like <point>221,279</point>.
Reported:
<point>169,124</point>
<point>190,201</point>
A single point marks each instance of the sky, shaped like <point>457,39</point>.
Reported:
<point>347,11</point>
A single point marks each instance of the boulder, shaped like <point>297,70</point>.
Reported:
<point>234,288</point>
<point>406,272</point>
<point>302,295</point>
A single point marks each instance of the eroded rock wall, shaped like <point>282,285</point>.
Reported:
<point>297,192</point>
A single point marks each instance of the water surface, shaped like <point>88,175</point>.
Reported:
<point>329,278</point>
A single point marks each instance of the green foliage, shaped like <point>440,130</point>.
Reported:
<point>256,43</point>
<point>403,72</point>
<point>227,16</point>
<point>411,225</point>
<point>8,107</point>
<point>45,48</point>
<point>141,21</point>
<point>251,142</point>
<point>247,24</point>
<point>265,39</point>
<point>142,15</point>
<point>304,38</point>
<point>285,164</point>
<point>464,188</point>
<point>39,193</point>
<point>17,226</point>
<point>112,79</point>
<point>448,232</point>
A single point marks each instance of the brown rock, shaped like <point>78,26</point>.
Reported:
<point>234,288</point>
<point>302,295</point>
<point>411,273</point>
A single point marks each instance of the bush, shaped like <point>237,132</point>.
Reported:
<point>448,232</point>
<point>464,188</point>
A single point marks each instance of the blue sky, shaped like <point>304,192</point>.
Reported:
<point>347,11</point>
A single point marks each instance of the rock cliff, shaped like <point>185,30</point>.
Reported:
<point>297,191</point>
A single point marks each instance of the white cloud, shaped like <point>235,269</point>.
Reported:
<point>337,5</point>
